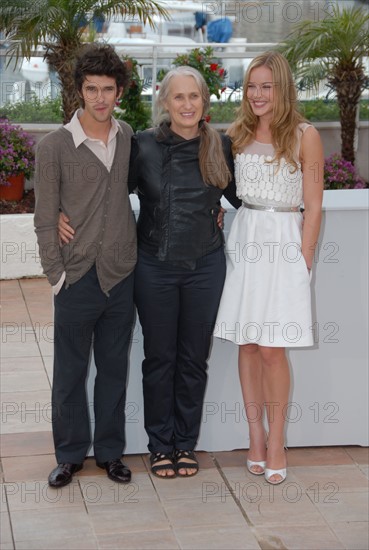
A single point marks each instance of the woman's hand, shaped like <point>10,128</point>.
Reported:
<point>307,265</point>
<point>65,231</point>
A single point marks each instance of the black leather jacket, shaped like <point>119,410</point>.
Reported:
<point>178,211</point>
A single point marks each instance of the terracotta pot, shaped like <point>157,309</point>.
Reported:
<point>14,191</point>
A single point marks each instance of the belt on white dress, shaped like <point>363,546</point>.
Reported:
<point>271,208</point>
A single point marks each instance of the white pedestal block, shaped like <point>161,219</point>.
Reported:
<point>329,393</point>
<point>19,250</point>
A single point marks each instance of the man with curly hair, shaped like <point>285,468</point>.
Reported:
<point>82,170</point>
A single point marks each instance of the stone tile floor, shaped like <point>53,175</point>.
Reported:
<point>323,504</point>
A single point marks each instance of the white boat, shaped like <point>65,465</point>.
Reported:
<point>34,79</point>
<point>35,69</point>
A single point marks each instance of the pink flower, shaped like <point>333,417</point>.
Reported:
<point>16,147</point>
<point>341,174</point>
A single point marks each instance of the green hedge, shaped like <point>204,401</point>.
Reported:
<point>49,110</point>
<point>317,110</point>
<point>320,110</point>
<point>34,110</point>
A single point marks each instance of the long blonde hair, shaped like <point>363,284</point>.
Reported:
<point>213,165</point>
<point>286,117</point>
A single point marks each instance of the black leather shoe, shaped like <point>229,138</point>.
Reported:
<point>116,470</point>
<point>63,474</point>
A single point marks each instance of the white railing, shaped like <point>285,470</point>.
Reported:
<point>149,56</point>
<point>152,56</point>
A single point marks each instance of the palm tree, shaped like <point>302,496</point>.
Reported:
<point>59,25</point>
<point>333,48</point>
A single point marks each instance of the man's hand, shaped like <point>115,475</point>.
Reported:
<point>65,231</point>
<point>220,219</point>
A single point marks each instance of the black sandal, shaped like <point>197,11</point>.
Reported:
<point>180,463</point>
<point>159,457</point>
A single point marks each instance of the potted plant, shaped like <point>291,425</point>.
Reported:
<point>17,160</point>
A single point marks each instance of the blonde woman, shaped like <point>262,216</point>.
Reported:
<point>266,306</point>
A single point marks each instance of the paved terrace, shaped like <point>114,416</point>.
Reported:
<point>322,505</point>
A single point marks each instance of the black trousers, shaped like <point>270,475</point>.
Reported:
<point>177,308</point>
<point>85,315</point>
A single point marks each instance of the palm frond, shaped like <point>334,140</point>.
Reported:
<point>344,37</point>
<point>332,49</point>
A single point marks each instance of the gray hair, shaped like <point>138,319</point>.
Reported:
<point>211,148</point>
<point>161,113</point>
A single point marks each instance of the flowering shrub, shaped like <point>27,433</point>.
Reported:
<point>131,108</point>
<point>16,151</point>
<point>341,174</point>
<point>202,59</point>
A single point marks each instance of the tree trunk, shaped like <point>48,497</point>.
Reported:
<point>62,59</point>
<point>70,101</point>
<point>348,85</point>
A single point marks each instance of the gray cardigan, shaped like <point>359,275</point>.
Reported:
<point>96,201</point>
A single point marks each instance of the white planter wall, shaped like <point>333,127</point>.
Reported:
<point>329,396</point>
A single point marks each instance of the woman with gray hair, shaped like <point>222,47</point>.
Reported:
<point>180,169</point>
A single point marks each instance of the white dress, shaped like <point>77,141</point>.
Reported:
<point>266,298</point>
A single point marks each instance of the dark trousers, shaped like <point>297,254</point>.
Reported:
<point>84,314</point>
<point>177,308</point>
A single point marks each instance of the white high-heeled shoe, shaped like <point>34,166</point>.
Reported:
<point>251,463</point>
<point>262,463</point>
<point>270,473</point>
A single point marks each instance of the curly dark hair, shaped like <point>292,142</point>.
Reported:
<point>101,60</point>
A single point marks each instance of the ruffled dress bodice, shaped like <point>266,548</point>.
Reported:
<point>262,181</point>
